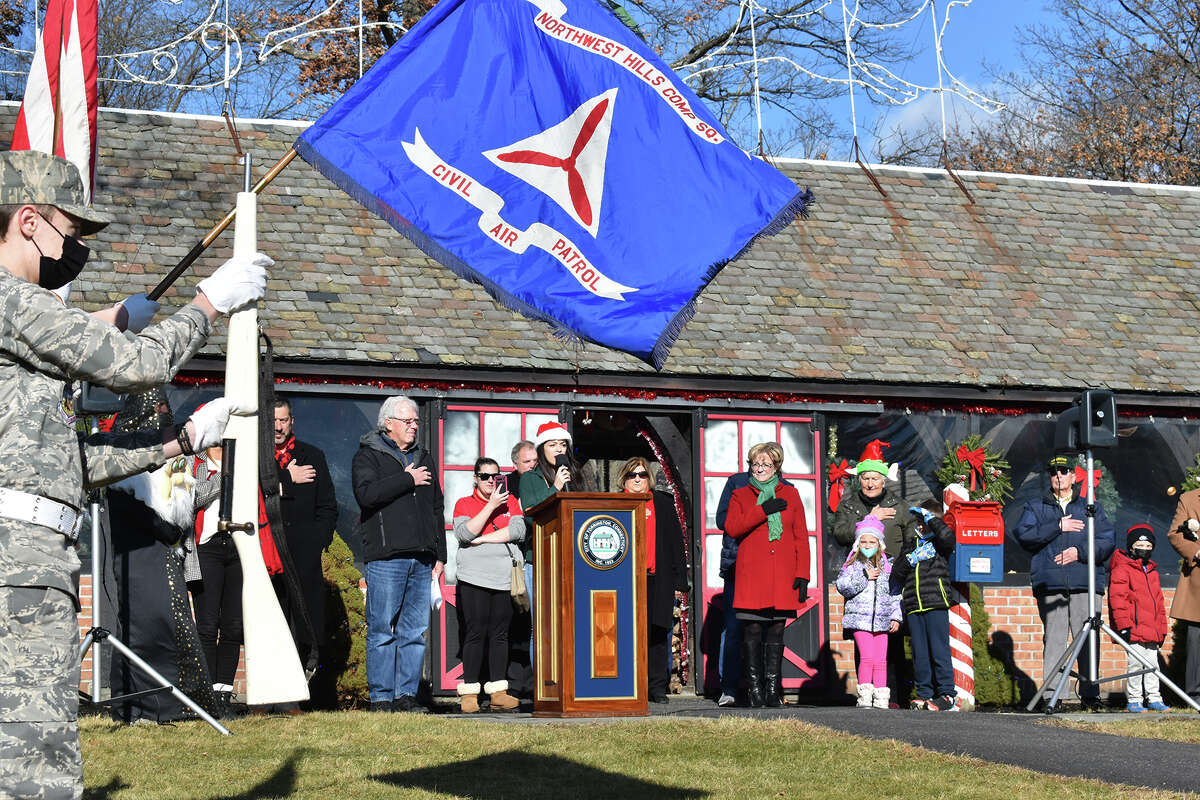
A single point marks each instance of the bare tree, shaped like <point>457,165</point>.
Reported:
<point>1112,91</point>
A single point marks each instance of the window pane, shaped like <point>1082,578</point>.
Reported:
<point>458,484</point>
<point>712,496</point>
<point>712,561</point>
<point>756,432</point>
<point>451,571</point>
<point>808,495</point>
<point>462,437</point>
<point>500,432</point>
<point>720,446</point>
<point>797,447</point>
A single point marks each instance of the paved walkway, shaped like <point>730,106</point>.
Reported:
<point>1022,740</point>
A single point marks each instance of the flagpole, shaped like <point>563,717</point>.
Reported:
<point>217,229</point>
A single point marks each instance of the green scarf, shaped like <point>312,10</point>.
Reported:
<point>766,491</point>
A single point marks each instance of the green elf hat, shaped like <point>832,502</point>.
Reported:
<point>871,459</point>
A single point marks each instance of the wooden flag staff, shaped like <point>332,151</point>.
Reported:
<point>217,229</point>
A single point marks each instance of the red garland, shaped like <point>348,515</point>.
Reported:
<point>648,435</point>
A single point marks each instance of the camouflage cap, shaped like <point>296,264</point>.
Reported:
<point>36,178</point>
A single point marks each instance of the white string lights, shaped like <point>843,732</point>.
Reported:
<point>879,82</point>
<point>218,39</point>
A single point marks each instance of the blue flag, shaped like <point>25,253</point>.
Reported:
<point>540,148</point>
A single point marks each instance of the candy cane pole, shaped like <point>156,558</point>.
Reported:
<point>961,653</point>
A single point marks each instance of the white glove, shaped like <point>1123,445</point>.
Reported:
<point>1193,525</point>
<point>208,423</point>
<point>141,311</point>
<point>238,282</point>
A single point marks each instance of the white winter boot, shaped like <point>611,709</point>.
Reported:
<point>882,697</point>
<point>864,695</point>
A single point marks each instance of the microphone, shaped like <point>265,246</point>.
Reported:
<point>561,460</point>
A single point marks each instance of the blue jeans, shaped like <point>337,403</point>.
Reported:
<point>933,671</point>
<point>730,664</point>
<point>397,618</point>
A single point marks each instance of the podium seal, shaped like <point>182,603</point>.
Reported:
<point>603,542</point>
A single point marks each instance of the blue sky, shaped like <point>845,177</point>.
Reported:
<point>980,36</point>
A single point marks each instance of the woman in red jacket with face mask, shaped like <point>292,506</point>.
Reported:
<point>772,568</point>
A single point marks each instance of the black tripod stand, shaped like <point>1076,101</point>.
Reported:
<point>1091,629</point>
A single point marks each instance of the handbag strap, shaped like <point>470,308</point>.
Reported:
<point>510,554</point>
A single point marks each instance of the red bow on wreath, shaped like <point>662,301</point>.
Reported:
<point>837,483</point>
<point>1081,478</point>
<point>975,458</point>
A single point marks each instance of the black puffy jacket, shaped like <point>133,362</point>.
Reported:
<point>925,585</point>
<point>398,519</point>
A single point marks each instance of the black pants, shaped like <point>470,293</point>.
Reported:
<point>1191,679</point>
<point>219,606</point>
<point>487,613</point>
<point>658,653</point>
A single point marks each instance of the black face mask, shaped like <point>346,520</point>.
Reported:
<point>1144,555</point>
<point>58,272</point>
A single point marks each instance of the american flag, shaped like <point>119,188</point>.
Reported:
<point>58,113</point>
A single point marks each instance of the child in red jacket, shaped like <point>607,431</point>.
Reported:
<point>1138,613</point>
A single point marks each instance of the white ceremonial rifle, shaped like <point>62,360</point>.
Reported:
<point>273,670</point>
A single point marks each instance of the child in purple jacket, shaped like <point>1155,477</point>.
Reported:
<point>871,612</point>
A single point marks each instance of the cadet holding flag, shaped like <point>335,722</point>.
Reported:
<point>45,467</point>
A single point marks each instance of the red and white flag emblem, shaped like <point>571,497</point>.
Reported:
<point>566,162</point>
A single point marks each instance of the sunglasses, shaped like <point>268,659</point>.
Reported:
<point>487,476</point>
<point>639,475</point>
<point>1061,470</point>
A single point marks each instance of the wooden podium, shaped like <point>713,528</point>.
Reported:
<point>589,558</point>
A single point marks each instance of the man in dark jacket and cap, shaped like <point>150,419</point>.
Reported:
<point>404,546</point>
<point>1054,530</point>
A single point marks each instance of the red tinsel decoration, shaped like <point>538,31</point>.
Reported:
<point>646,433</point>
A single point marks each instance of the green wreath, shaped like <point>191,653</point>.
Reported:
<point>1191,479</point>
<point>976,466</point>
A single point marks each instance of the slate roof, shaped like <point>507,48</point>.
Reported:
<point>1041,284</point>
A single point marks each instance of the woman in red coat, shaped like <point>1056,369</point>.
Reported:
<point>772,569</point>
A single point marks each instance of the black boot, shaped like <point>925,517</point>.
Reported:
<point>772,664</point>
<point>224,705</point>
<point>752,668</point>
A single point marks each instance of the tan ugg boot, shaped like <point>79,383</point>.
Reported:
<point>864,695</point>
<point>468,694</point>
<point>501,699</point>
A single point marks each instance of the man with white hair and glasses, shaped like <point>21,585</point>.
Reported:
<point>404,547</point>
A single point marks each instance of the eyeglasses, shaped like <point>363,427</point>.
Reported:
<point>637,476</point>
<point>1061,471</point>
<point>487,476</point>
<point>410,421</point>
<point>759,465</point>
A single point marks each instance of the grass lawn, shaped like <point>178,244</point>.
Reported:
<point>1176,727</point>
<point>360,756</point>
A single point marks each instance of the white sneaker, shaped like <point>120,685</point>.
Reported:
<point>727,701</point>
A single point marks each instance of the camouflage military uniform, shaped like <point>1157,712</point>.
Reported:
<point>43,347</point>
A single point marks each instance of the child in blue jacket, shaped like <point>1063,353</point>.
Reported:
<point>921,574</point>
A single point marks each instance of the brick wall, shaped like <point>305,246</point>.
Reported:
<point>1016,630</point>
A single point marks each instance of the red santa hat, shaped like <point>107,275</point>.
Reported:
<point>550,432</point>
